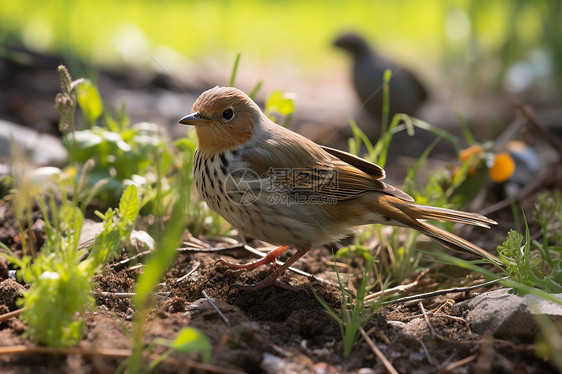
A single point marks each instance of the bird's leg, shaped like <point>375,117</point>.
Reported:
<point>271,257</point>
<point>271,279</point>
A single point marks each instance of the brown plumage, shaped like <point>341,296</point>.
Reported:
<point>282,188</point>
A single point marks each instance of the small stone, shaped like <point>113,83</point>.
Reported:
<point>541,306</point>
<point>398,325</point>
<point>43,149</point>
<point>507,315</point>
<point>417,327</point>
<point>366,371</point>
<point>274,364</point>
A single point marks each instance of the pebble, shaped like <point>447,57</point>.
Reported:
<point>508,316</point>
<point>42,149</point>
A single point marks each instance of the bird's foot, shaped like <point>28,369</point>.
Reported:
<point>271,257</point>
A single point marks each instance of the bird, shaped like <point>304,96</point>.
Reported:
<point>280,187</point>
<point>406,92</point>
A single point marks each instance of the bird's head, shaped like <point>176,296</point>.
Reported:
<point>353,44</point>
<point>224,119</point>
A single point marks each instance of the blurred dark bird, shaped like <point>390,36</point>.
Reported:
<point>406,92</point>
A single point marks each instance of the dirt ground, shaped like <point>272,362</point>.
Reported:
<point>269,330</point>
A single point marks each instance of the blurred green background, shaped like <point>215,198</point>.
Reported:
<point>518,39</point>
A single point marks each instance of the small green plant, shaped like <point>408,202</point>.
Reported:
<point>117,227</point>
<point>280,104</point>
<point>60,281</point>
<point>354,312</point>
<point>537,264</point>
<point>60,284</point>
<point>548,213</point>
<point>532,267</point>
<point>122,155</point>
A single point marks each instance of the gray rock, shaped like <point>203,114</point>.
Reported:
<point>139,240</point>
<point>274,364</point>
<point>89,231</point>
<point>507,315</point>
<point>43,149</point>
<point>540,306</point>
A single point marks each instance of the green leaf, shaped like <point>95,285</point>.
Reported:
<point>234,69</point>
<point>90,101</point>
<point>192,340</point>
<point>71,220</point>
<point>115,141</point>
<point>255,90</point>
<point>352,251</point>
<point>84,142</point>
<point>281,102</point>
<point>129,205</point>
<point>466,130</point>
<point>186,145</point>
<point>556,278</point>
<point>557,273</point>
<point>513,242</point>
<point>472,184</point>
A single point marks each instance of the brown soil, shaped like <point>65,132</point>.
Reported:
<point>268,327</point>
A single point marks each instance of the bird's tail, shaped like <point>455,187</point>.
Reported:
<point>414,216</point>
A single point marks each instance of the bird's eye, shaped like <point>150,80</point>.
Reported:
<point>228,114</point>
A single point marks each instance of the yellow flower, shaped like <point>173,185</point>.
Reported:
<point>503,168</point>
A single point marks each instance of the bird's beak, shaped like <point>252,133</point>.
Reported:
<point>194,119</point>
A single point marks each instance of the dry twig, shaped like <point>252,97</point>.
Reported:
<point>12,314</point>
<point>449,368</point>
<point>189,272</point>
<point>399,288</point>
<point>378,352</point>
<point>431,330</point>
<point>112,352</point>
<point>216,308</point>
<point>442,292</point>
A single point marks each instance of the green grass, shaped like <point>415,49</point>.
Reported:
<point>130,31</point>
<point>59,276</point>
<point>532,263</point>
<point>355,313</point>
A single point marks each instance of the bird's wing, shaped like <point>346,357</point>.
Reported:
<point>298,165</point>
<point>356,176</point>
<point>373,170</point>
